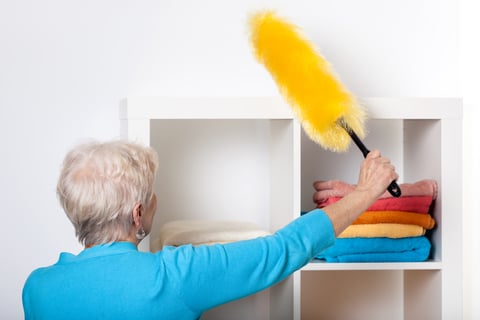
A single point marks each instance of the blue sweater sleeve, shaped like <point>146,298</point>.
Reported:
<point>208,276</point>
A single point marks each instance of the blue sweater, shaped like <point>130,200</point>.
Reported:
<point>115,281</point>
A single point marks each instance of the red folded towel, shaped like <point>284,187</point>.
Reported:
<point>419,204</point>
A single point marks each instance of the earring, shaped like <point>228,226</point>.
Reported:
<point>140,234</point>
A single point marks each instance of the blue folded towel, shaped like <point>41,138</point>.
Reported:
<point>411,249</point>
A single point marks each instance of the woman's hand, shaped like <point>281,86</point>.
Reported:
<point>376,174</point>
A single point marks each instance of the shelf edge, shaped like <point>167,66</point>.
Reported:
<point>324,266</point>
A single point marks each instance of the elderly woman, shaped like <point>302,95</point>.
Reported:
<point>106,190</point>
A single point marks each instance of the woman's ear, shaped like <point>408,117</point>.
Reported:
<point>137,214</point>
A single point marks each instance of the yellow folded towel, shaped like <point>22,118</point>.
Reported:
<point>382,230</point>
<point>197,232</point>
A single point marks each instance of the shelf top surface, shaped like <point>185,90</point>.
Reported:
<point>276,108</point>
<point>205,108</point>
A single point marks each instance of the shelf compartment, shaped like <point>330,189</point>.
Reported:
<point>371,294</point>
<point>414,146</point>
<point>224,170</point>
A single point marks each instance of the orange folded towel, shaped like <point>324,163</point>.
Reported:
<point>382,230</point>
<point>338,188</point>
<point>400,217</point>
<point>419,204</point>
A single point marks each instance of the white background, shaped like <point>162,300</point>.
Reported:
<point>65,65</point>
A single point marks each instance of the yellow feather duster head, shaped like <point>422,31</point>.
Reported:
<point>306,80</point>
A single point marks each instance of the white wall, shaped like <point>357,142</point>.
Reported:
<point>64,66</point>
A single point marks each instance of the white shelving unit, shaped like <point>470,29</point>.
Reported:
<point>247,159</point>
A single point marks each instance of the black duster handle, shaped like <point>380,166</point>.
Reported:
<point>393,188</point>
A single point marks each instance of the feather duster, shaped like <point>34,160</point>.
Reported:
<point>328,112</point>
<point>307,81</point>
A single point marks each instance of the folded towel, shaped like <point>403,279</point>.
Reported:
<point>412,249</point>
<point>337,188</point>
<point>388,230</point>
<point>196,232</point>
<point>420,204</point>
<point>401,217</point>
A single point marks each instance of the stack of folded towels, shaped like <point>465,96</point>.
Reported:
<point>391,230</point>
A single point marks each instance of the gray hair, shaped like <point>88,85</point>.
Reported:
<point>100,184</point>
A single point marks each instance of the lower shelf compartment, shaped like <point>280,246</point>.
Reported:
<point>371,294</point>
